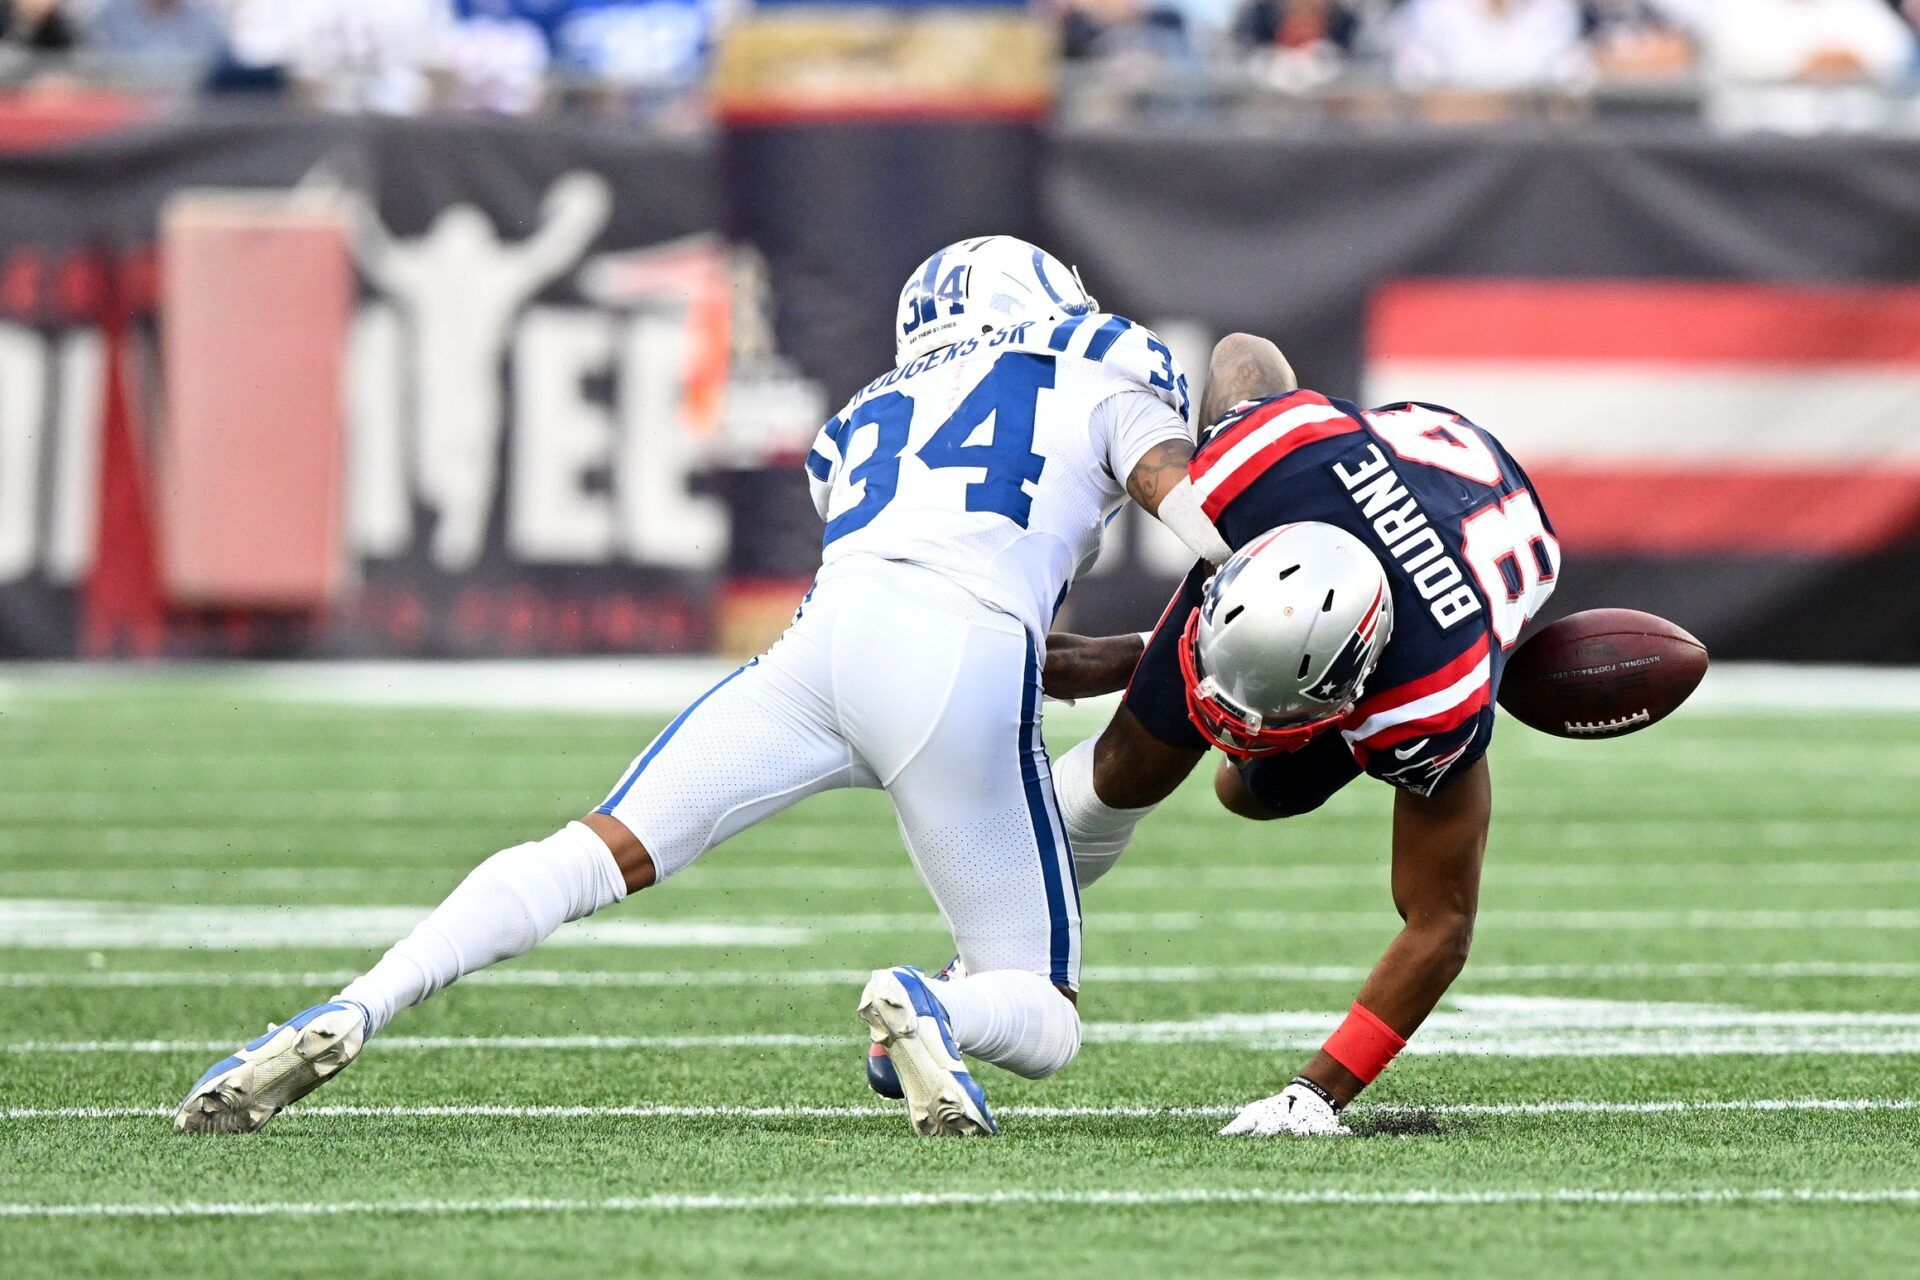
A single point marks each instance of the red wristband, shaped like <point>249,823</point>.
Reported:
<point>1364,1045</point>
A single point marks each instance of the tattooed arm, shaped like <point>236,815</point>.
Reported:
<point>1158,471</point>
<point>1243,368</point>
<point>1159,483</point>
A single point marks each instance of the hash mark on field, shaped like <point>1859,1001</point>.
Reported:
<point>1163,1197</point>
<point>648,1111</point>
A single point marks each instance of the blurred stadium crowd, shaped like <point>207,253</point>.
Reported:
<point>636,56</point>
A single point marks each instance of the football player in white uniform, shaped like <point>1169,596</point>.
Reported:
<point>961,493</point>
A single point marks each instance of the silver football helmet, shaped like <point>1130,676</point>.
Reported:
<point>1283,642</point>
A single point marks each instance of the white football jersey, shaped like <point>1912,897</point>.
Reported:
<point>997,461</point>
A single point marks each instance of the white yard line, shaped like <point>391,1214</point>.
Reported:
<point>69,924</point>
<point>1545,1197</point>
<point>1290,877</point>
<point>648,1111</point>
<point>1159,975</point>
<point>662,686</point>
<point>744,1040</point>
<point>1472,1025</point>
<point>247,809</point>
<point>65,924</point>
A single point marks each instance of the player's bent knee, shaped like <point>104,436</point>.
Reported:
<point>1056,1044</point>
<point>1132,769</point>
<point>635,863</point>
<point>1049,1029</point>
<point>1238,799</point>
<point>1291,807</point>
<point>1459,940</point>
<point>1448,941</point>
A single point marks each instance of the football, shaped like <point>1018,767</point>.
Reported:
<point>1602,673</point>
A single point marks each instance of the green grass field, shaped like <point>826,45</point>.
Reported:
<point>1688,1042</point>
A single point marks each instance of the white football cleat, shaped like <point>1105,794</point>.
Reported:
<point>239,1094</point>
<point>881,1077</point>
<point>910,1025</point>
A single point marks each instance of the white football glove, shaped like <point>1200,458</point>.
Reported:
<point>1298,1109</point>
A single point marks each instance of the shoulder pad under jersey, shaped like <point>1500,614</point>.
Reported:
<point>1127,352</point>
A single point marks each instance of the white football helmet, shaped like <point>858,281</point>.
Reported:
<point>1285,638</point>
<point>979,285</point>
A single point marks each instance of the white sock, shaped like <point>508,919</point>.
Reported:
<point>1097,832</point>
<point>504,908</point>
<point>1013,1019</point>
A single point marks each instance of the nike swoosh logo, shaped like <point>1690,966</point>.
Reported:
<point>1408,753</point>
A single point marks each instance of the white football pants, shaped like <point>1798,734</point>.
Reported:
<point>890,676</point>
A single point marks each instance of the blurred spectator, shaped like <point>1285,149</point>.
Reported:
<point>1487,44</point>
<point>349,55</point>
<point>1300,25</point>
<point>1123,31</point>
<point>1633,40</point>
<point>36,24</point>
<point>496,60</point>
<point>1808,41</point>
<point>187,36</point>
<point>1301,44</point>
<point>659,44</point>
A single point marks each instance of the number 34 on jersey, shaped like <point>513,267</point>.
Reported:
<point>997,459</point>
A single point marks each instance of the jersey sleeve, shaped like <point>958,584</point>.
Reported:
<point>1130,356</point>
<point>823,461</point>
<point>1422,733</point>
<point>1124,426</point>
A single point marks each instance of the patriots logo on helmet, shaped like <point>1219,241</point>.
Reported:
<point>1347,673</point>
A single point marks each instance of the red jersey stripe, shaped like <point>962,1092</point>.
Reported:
<point>1438,723</point>
<point>1228,485</point>
<point>1213,450</point>
<point>1414,690</point>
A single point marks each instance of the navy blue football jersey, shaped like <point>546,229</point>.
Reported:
<point>1468,552</point>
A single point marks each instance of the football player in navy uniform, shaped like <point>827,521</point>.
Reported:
<point>1385,563</point>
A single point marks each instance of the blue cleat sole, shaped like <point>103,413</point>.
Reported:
<point>240,1093</point>
<point>881,1077</point>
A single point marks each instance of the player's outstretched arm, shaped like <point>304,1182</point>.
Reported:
<point>1088,666</point>
<point>1438,842</point>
